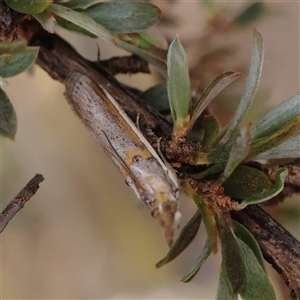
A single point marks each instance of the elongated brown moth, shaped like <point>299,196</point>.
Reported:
<point>154,183</point>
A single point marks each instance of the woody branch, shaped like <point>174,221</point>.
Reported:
<point>19,201</point>
<point>59,59</point>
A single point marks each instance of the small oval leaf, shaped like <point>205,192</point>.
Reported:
<point>224,291</point>
<point>232,263</point>
<point>8,118</point>
<point>13,64</point>
<point>157,97</point>
<point>124,17</point>
<point>211,129</point>
<point>28,7</point>
<point>257,285</point>
<point>244,234</point>
<point>13,47</point>
<point>178,84</point>
<point>268,193</point>
<point>250,14</point>
<point>246,182</point>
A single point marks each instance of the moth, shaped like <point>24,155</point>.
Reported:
<point>154,182</point>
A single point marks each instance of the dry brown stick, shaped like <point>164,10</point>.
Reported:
<point>19,201</point>
<point>59,59</point>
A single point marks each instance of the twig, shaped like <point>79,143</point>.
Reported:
<point>19,201</point>
<point>126,65</point>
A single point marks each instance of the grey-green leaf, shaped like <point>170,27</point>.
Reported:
<point>215,87</point>
<point>244,234</point>
<point>278,117</point>
<point>211,129</point>
<point>13,47</point>
<point>224,291</point>
<point>185,237</point>
<point>250,14</point>
<point>268,194</point>
<point>251,87</point>
<point>288,149</point>
<point>157,97</point>
<point>47,20</point>
<point>237,154</point>
<point>77,4</point>
<point>124,17</point>
<point>246,183</point>
<point>257,285</point>
<point>275,139</point>
<point>233,267</point>
<point>178,84</point>
<point>13,64</point>
<point>81,20</point>
<point>8,118</point>
<point>201,260</point>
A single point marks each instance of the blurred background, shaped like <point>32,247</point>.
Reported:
<point>84,235</point>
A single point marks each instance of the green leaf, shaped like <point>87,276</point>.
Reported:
<point>246,182</point>
<point>8,118</point>
<point>211,129</point>
<point>13,64</point>
<point>178,84</point>
<point>13,47</point>
<point>266,194</point>
<point>207,216</point>
<point>251,87</point>
<point>82,21</point>
<point>72,27</point>
<point>47,20</point>
<point>224,291</point>
<point>124,17</point>
<point>282,135</point>
<point>288,149</point>
<point>149,54</point>
<point>154,38</point>
<point>250,14</point>
<point>77,4</point>
<point>281,115</point>
<point>232,263</point>
<point>185,237</point>
<point>157,97</point>
<point>201,260</point>
<point>257,285</point>
<point>238,153</point>
<point>215,87</point>
<point>244,234</point>
<point>220,154</point>
<point>28,7</point>
<point>210,171</point>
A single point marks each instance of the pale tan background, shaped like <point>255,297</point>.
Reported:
<point>84,235</point>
